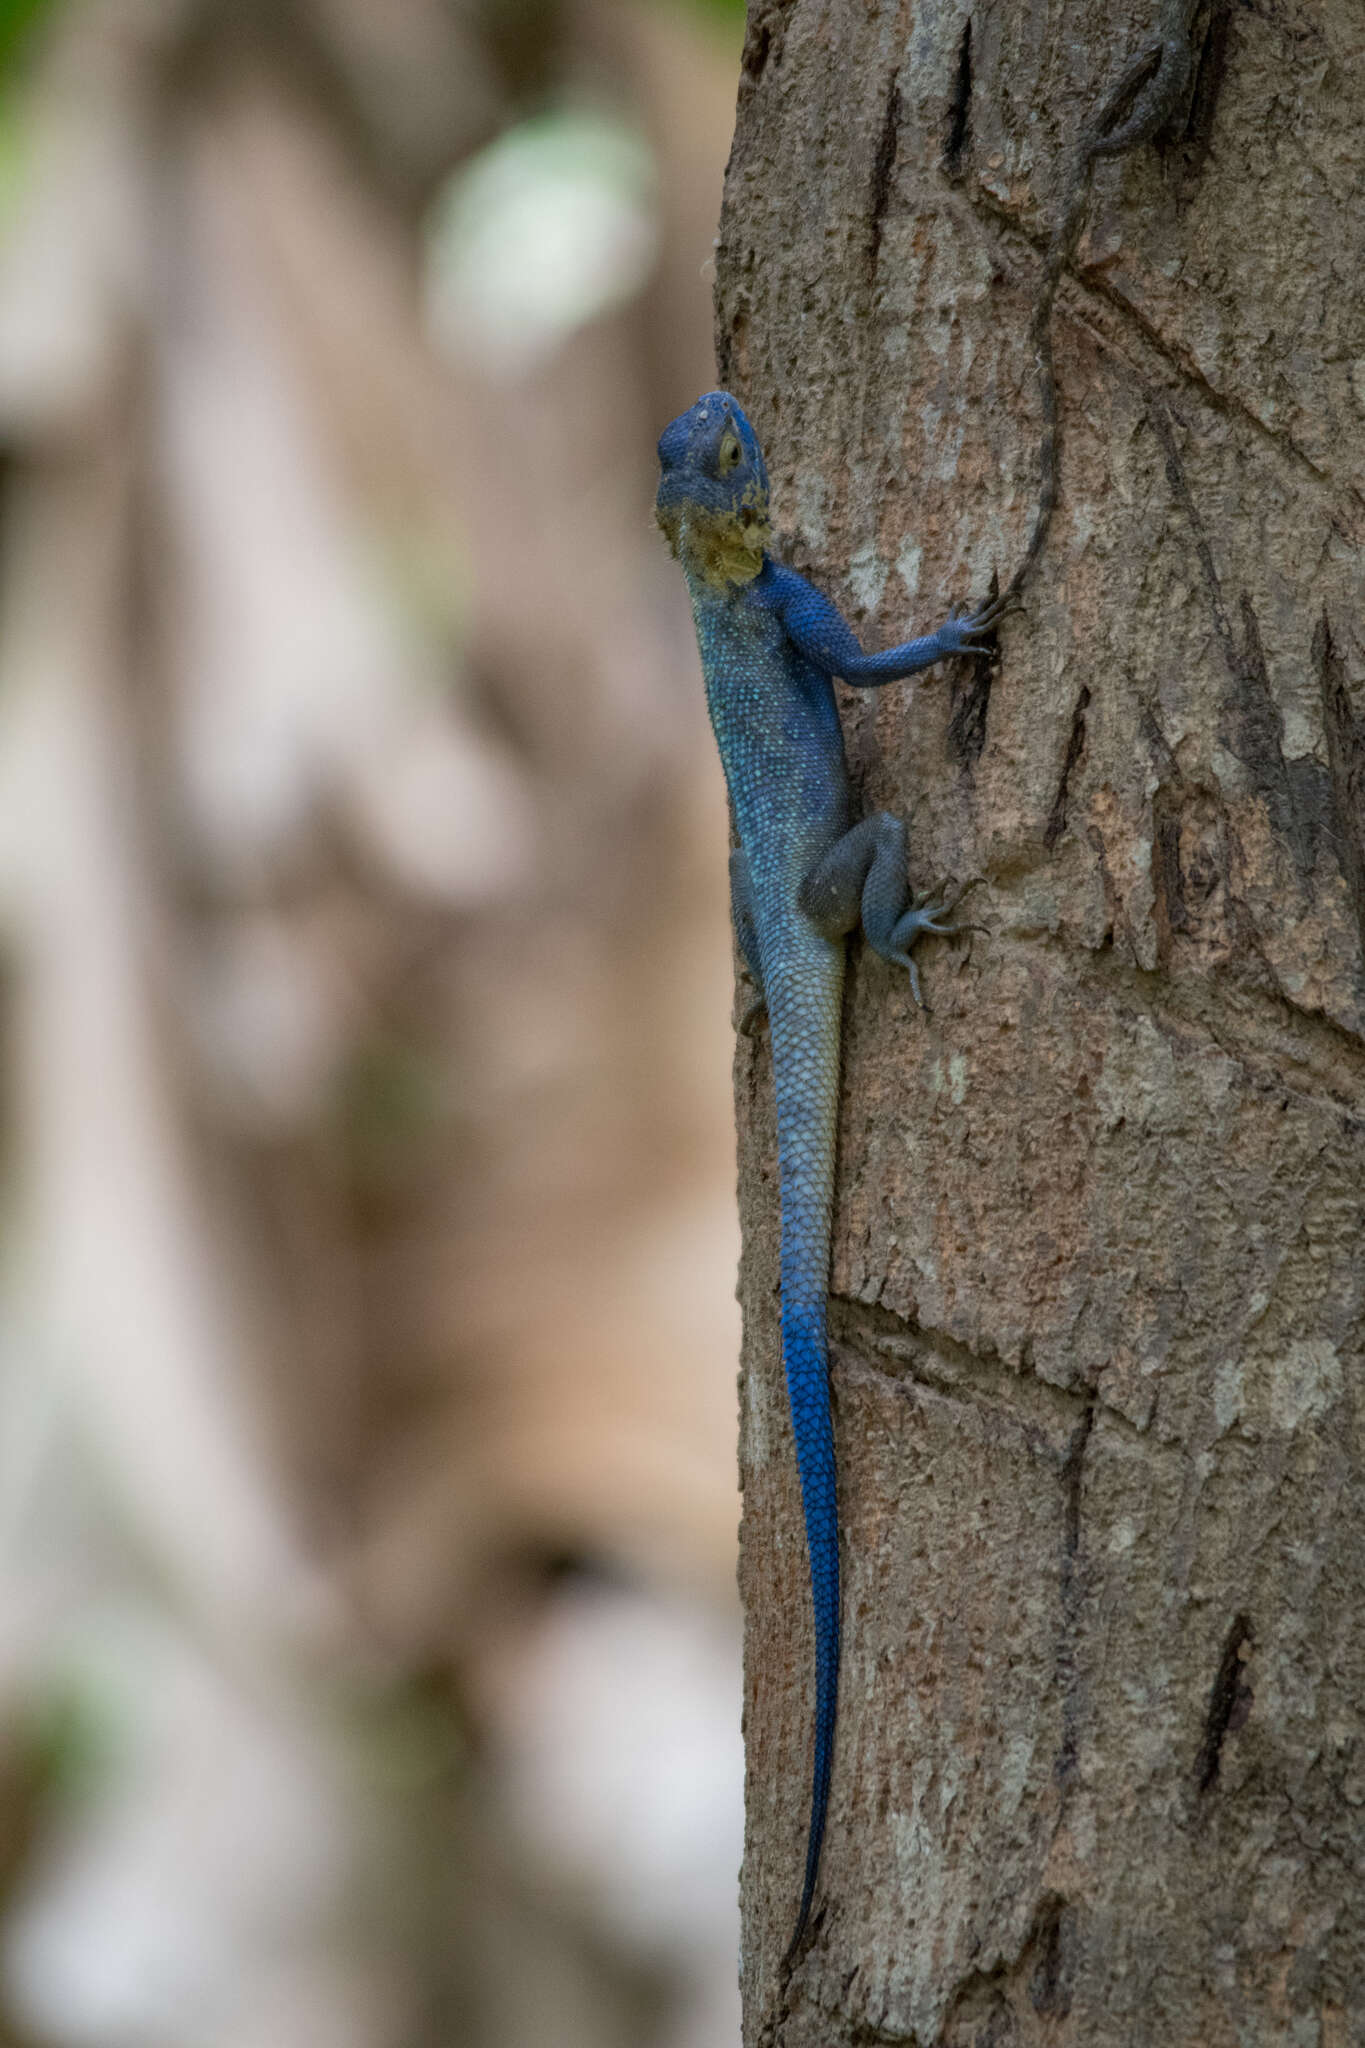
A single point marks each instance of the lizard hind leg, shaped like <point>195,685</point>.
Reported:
<point>832,893</point>
<point>863,874</point>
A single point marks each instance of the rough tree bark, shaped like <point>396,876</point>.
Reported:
<point>1098,1286</point>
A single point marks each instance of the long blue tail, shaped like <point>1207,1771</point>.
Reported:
<point>803,1006</point>
<point>805,1354</point>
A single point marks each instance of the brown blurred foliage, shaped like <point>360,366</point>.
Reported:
<point>370,1341</point>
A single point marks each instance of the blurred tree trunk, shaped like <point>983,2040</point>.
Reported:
<point>1097,1274</point>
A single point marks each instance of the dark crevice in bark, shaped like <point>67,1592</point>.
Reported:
<point>898,1349</point>
<point>1114,922</point>
<point>1075,746</point>
<point>732,352</point>
<point>757,44</point>
<point>762,44</point>
<point>980,2013</point>
<point>1191,148</point>
<point>1073,1482</point>
<point>1050,1983</point>
<point>1179,363</point>
<point>883,176</point>
<point>971,705</point>
<point>957,136</point>
<point>1180,491</point>
<point>1346,766</point>
<point>983,2010</point>
<point>1230,1702</point>
<point>1169,911</point>
<point>1168,768</point>
<point>1072,1477</point>
<point>1297,794</point>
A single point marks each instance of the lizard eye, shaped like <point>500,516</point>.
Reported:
<point>729,453</point>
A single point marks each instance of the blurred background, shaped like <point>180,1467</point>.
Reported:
<point>368,1648</point>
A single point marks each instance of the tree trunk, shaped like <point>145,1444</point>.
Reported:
<point>1097,1319</point>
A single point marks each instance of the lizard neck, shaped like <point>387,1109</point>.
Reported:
<point>719,551</point>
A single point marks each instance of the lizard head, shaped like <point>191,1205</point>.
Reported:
<point>712,504</point>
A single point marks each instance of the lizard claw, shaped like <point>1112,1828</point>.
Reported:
<point>924,919</point>
<point>929,914</point>
<point>907,961</point>
<point>988,618</point>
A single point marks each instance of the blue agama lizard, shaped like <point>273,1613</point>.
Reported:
<point>801,876</point>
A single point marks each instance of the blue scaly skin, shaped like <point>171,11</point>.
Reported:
<point>803,874</point>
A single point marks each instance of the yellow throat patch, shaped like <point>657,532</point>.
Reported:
<point>721,547</point>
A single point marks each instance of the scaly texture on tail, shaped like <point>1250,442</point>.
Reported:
<point>804,998</point>
<point>805,1356</point>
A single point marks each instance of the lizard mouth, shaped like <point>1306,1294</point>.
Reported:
<point>676,486</point>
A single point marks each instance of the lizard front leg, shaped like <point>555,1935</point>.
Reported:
<point>863,875</point>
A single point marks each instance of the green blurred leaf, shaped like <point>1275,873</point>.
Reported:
<point>70,1738</point>
<point>726,14</point>
<point>390,1111</point>
<point>18,20</point>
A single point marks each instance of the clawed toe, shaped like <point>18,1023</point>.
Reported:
<point>927,913</point>
<point>928,918</point>
<point>990,615</point>
<point>904,960</point>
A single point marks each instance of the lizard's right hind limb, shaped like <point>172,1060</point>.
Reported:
<point>862,876</point>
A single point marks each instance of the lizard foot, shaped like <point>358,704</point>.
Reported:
<point>925,919</point>
<point>970,632</point>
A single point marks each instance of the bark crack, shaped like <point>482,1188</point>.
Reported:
<point>958,135</point>
<point>1073,1486</point>
<point>971,704</point>
<point>1075,746</point>
<point>1097,295</point>
<point>762,42</point>
<point>1230,1701</point>
<point>1325,1052</point>
<point>897,1349</point>
<point>1346,766</point>
<point>1295,793</point>
<point>1047,1955</point>
<point>883,177</point>
<point>1210,68</point>
<point>1170,910</point>
<point>1050,1983</point>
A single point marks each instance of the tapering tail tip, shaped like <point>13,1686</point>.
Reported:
<point>824,1757</point>
<point>803,1916</point>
